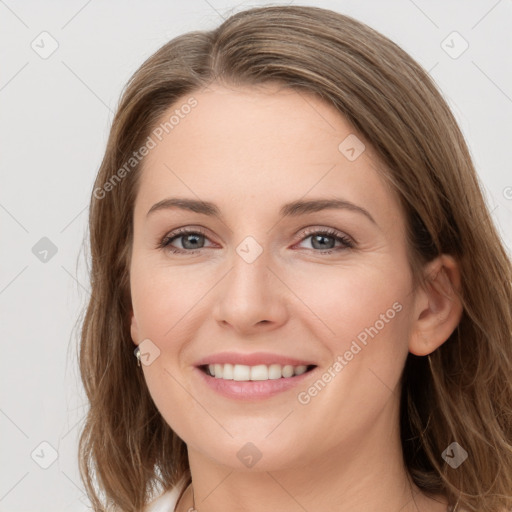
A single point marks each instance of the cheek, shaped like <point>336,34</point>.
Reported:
<point>362,315</point>
<point>162,297</point>
<point>347,300</point>
<point>367,312</point>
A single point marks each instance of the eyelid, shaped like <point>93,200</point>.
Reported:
<point>306,232</point>
<point>176,233</point>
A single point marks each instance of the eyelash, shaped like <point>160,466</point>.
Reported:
<point>166,240</point>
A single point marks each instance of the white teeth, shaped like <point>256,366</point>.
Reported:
<point>218,371</point>
<point>227,372</point>
<point>287,370</point>
<point>274,371</point>
<point>242,372</point>
<point>299,370</point>
<point>259,372</point>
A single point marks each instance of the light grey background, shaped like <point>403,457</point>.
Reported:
<point>55,117</point>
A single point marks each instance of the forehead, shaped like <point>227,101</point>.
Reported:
<point>266,143</point>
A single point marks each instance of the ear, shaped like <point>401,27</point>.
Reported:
<point>134,330</point>
<point>437,307</point>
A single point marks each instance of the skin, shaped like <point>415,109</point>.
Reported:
<point>250,150</point>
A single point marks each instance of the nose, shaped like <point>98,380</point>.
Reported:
<point>252,297</point>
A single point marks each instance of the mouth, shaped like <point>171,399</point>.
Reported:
<point>260,372</point>
<point>253,383</point>
<point>252,376</point>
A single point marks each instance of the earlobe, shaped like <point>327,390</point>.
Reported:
<point>438,308</point>
<point>134,330</point>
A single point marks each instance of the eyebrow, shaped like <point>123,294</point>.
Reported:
<point>293,209</point>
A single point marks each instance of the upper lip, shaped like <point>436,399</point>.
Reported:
<point>254,359</point>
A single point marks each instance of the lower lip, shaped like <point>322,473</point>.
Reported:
<point>253,389</point>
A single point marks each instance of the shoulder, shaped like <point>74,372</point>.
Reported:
<point>166,501</point>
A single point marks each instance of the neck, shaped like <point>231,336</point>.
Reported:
<point>355,476</point>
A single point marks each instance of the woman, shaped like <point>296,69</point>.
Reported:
<point>288,227</point>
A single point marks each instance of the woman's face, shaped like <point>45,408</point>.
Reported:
<point>260,286</point>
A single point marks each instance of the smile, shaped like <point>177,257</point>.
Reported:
<point>252,382</point>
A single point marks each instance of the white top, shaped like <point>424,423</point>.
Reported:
<point>166,501</point>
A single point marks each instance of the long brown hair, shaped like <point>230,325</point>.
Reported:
<point>462,392</point>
